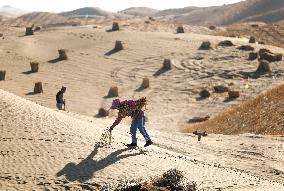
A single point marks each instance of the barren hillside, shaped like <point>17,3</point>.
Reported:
<point>139,11</point>
<point>260,115</point>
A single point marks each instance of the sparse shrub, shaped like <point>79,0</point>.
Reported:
<point>115,26</point>
<point>38,88</point>
<point>145,83</point>
<point>233,94</point>
<point>118,45</point>
<point>205,46</point>
<point>204,93</point>
<point>62,54</point>
<point>252,55</point>
<point>226,43</point>
<point>29,31</point>
<point>2,75</point>
<point>252,39</point>
<point>113,92</point>
<point>34,67</point>
<point>263,67</point>
<point>103,112</point>
<point>180,29</point>
<point>167,65</point>
<point>246,48</point>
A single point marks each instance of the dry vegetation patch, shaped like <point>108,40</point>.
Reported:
<point>260,115</point>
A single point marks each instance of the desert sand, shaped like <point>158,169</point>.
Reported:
<point>42,148</point>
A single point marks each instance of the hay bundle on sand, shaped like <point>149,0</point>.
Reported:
<point>29,31</point>
<point>113,92</point>
<point>221,89</point>
<point>103,112</point>
<point>115,26</point>
<point>252,40</point>
<point>263,67</point>
<point>180,29</point>
<point>265,54</point>
<point>233,94</point>
<point>145,83</point>
<point>118,45</point>
<point>246,48</point>
<point>205,46</point>
<point>2,75</point>
<point>204,93</point>
<point>38,88</point>
<point>172,180</point>
<point>34,67</point>
<point>62,54</point>
<point>167,65</point>
<point>212,27</point>
<point>253,55</point>
<point>226,43</point>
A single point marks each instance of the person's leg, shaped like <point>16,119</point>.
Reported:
<point>59,106</point>
<point>133,130</point>
<point>141,127</point>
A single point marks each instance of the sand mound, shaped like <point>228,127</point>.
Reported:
<point>43,149</point>
<point>260,115</point>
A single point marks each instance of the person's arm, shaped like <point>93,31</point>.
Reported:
<point>117,121</point>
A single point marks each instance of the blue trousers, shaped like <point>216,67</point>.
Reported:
<point>138,123</point>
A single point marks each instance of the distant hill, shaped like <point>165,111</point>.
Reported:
<point>250,10</point>
<point>37,18</point>
<point>8,11</point>
<point>90,11</point>
<point>140,11</point>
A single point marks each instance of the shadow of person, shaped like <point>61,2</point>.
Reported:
<point>86,169</point>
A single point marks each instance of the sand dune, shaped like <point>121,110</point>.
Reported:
<point>45,149</point>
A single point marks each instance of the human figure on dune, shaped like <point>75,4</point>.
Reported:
<point>59,99</point>
<point>133,109</point>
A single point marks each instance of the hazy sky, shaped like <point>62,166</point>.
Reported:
<point>110,5</point>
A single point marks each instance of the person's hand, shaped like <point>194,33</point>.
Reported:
<point>111,127</point>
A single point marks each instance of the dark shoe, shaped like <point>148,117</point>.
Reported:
<point>132,145</point>
<point>148,143</point>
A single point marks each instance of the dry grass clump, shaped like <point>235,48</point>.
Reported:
<point>29,31</point>
<point>265,54</point>
<point>263,67</point>
<point>145,83</point>
<point>115,26</point>
<point>204,93</point>
<point>62,54</point>
<point>205,46</point>
<point>246,48</point>
<point>113,92</point>
<point>2,75</point>
<point>253,56</point>
<point>221,89</point>
<point>38,88</point>
<point>252,39</point>
<point>226,43</point>
<point>260,115</point>
<point>180,29</point>
<point>118,45</point>
<point>103,112</point>
<point>167,65</point>
<point>34,67</point>
<point>172,180</point>
<point>233,94</point>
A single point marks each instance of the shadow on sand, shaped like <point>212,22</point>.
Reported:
<point>28,72</point>
<point>111,52</point>
<point>86,169</point>
<point>53,61</point>
<point>160,72</point>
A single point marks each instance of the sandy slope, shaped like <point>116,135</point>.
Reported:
<point>44,149</point>
<point>89,73</point>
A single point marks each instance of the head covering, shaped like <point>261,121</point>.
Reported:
<point>63,88</point>
<point>115,104</point>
